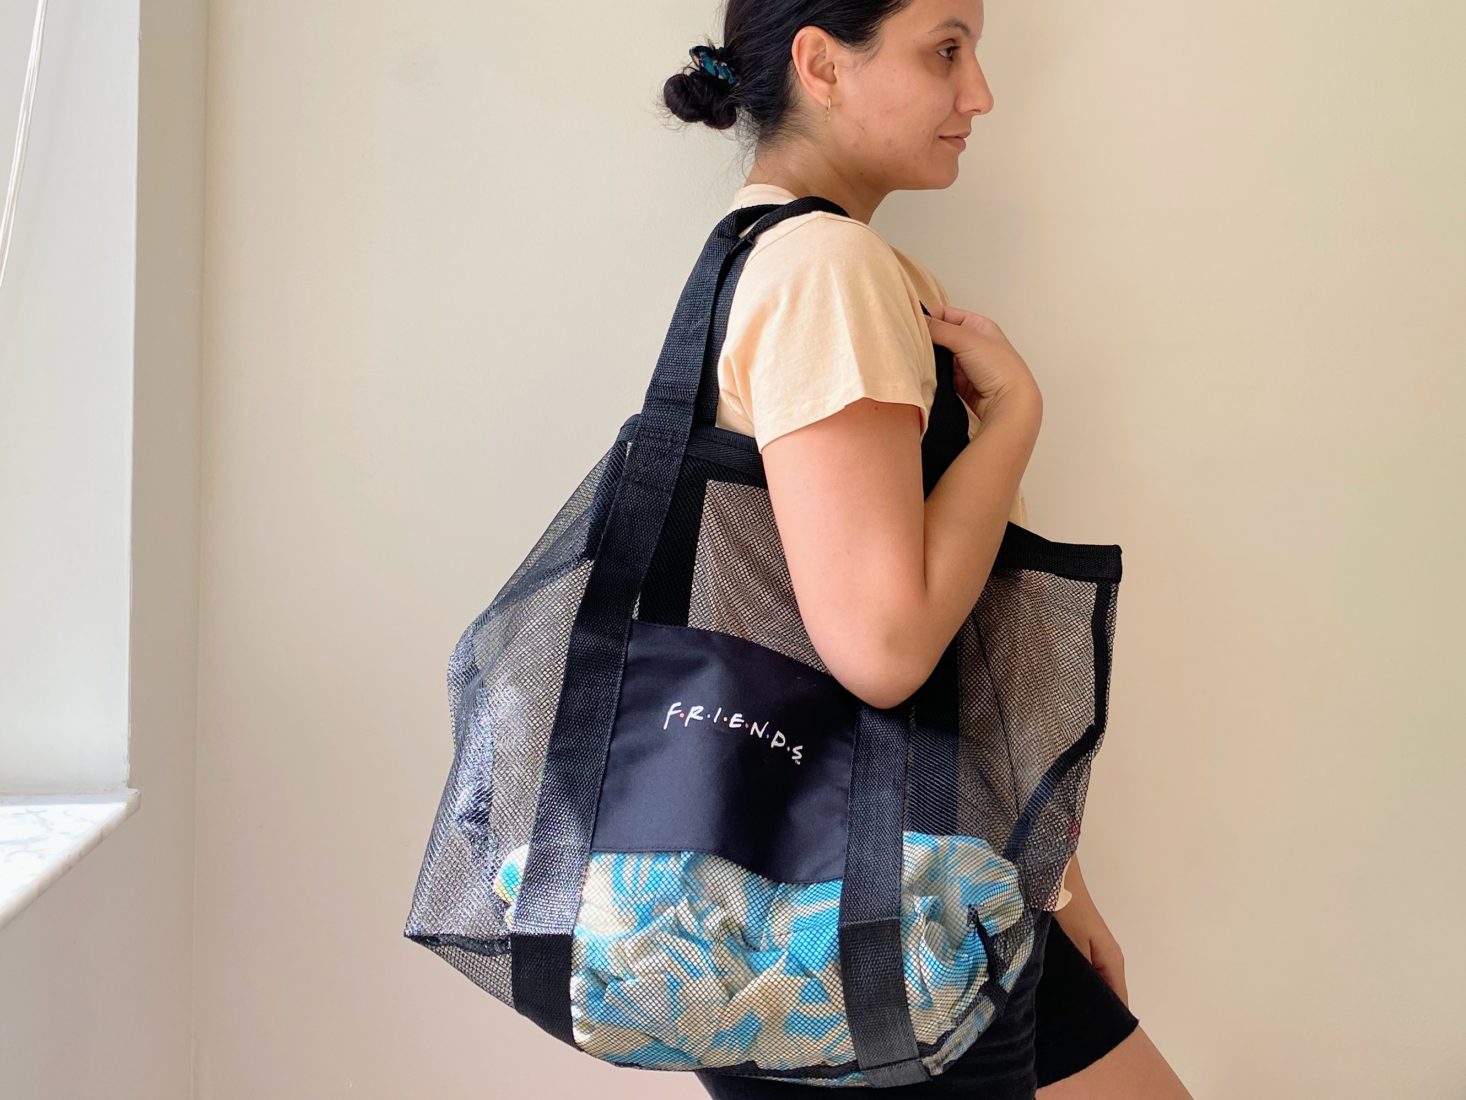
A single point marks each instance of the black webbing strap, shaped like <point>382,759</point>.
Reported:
<point>559,848</point>
<point>931,798</point>
<point>870,904</point>
<point>871,959</point>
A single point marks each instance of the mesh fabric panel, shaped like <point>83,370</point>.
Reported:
<point>739,586</point>
<point>1031,685</point>
<point>504,680</point>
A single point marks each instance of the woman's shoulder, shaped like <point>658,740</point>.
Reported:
<point>825,242</point>
<point>929,288</point>
<point>821,234</point>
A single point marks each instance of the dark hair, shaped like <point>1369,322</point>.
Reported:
<point>758,37</point>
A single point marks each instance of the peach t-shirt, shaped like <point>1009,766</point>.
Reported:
<point>827,312</point>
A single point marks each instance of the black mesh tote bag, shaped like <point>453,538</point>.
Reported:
<point>672,839</point>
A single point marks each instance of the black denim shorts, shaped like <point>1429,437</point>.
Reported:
<point>1061,1016</point>
<point>1080,1018</point>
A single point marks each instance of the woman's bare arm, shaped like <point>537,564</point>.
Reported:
<point>883,576</point>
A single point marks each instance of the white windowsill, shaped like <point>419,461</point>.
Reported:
<point>41,836</point>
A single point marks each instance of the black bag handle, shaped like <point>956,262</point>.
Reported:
<point>707,393</point>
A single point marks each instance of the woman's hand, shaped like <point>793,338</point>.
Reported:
<point>988,364</point>
<point>1081,921</point>
<point>966,390</point>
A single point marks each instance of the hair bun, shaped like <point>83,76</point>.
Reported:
<point>703,90</point>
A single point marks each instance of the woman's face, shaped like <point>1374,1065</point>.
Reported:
<point>922,82</point>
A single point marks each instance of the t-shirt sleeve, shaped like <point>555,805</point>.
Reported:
<point>824,316</point>
<point>942,297</point>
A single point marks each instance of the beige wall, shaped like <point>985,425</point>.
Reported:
<point>443,244</point>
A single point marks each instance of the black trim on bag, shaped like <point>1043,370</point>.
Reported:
<point>1059,768</point>
<point>872,966</point>
<point>997,965</point>
<point>498,945</point>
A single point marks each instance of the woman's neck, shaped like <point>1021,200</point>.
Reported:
<point>810,175</point>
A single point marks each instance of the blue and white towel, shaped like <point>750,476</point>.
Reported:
<point>687,960</point>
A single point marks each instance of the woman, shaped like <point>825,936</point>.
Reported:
<point>828,363</point>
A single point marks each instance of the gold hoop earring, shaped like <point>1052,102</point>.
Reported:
<point>827,108</point>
